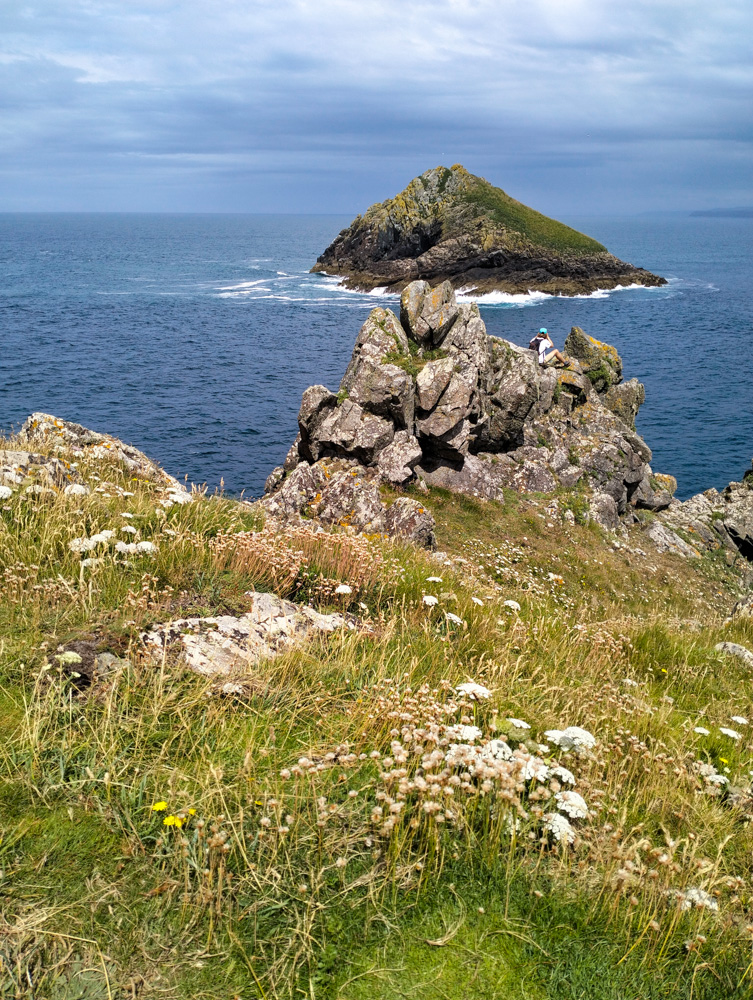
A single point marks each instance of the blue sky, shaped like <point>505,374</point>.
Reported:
<point>572,106</point>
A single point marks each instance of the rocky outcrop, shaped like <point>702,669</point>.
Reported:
<point>450,225</point>
<point>229,646</point>
<point>713,520</point>
<point>431,396</point>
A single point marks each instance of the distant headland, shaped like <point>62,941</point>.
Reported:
<point>450,225</point>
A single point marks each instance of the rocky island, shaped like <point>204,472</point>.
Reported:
<point>451,225</point>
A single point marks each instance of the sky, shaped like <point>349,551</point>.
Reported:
<point>571,106</point>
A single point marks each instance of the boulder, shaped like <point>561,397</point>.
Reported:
<point>371,379</point>
<point>667,541</point>
<point>738,652</point>
<point>350,430</point>
<point>350,500</point>
<point>18,467</point>
<point>603,510</point>
<point>600,362</point>
<point>409,519</point>
<point>625,400</point>
<point>428,313</point>
<point>398,460</point>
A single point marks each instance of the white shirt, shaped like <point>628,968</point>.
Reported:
<point>544,344</point>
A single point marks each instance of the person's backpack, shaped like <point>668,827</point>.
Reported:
<point>534,343</point>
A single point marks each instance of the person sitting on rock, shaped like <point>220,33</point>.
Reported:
<point>542,343</point>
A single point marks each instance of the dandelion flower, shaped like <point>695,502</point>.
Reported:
<point>343,588</point>
<point>732,733</point>
<point>519,724</point>
<point>191,812</point>
<point>739,719</point>
<point>701,731</point>
<point>159,807</point>
<point>560,828</point>
<point>169,821</point>
<point>572,804</point>
<point>429,600</point>
<point>476,692</point>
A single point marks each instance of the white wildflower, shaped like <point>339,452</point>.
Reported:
<point>343,588</point>
<point>89,562</point>
<point>125,548</point>
<point>129,529</point>
<point>80,545</point>
<point>453,618</point>
<point>466,733</point>
<point>697,897</point>
<point>732,733</point>
<point>739,719</point>
<point>560,828</point>
<point>535,769</point>
<point>572,738</point>
<point>68,657</point>
<point>477,600</point>
<point>630,682</point>
<point>429,600</point>
<point>572,804</point>
<point>562,774</point>
<point>126,513</point>
<point>519,724</point>
<point>513,605</point>
<point>102,537</point>
<point>497,750</point>
<point>701,731</point>
<point>433,579</point>
<point>76,490</point>
<point>146,548</point>
<point>476,692</point>
<point>5,492</point>
<point>177,496</point>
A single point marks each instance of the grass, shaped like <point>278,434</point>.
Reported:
<point>276,874</point>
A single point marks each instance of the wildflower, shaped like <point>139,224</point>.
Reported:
<point>560,828</point>
<point>497,750</point>
<point>126,513</point>
<point>572,804</point>
<point>129,529</point>
<point>630,682</point>
<point>739,719</point>
<point>535,769</point>
<point>433,579</point>
<point>562,774</point>
<point>732,733</point>
<point>572,738</point>
<point>701,731</point>
<point>477,600</point>
<point>453,618</point>
<point>148,548</point>
<point>513,605</point>
<point>474,691</point>
<point>169,821</point>
<point>697,897</point>
<point>466,733</point>
<point>343,588</point>
<point>159,807</point>
<point>285,773</point>
<point>5,492</point>
<point>340,863</point>
<point>191,812</point>
<point>429,600</point>
<point>76,490</point>
<point>67,658</point>
<point>519,724</point>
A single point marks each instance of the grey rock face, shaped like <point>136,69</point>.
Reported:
<point>409,519</point>
<point>603,510</point>
<point>717,520</point>
<point>739,652</point>
<point>667,541</point>
<point>350,500</point>
<point>433,393</point>
<point>18,466</point>
<point>398,460</point>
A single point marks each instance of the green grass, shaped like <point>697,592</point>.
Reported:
<point>98,898</point>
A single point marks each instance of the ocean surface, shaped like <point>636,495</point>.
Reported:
<point>193,336</point>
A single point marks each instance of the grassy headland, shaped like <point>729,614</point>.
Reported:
<point>158,839</point>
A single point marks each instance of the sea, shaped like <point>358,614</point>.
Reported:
<point>194,336</point>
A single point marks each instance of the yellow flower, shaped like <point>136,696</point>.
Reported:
<point>663,670</point>
<point>169,821</point>
<point>178,821</point>
<point>723,760</point>
<point>191,812</point>
<point>159,807</point>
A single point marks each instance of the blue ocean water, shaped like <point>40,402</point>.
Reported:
<point>193,336</point>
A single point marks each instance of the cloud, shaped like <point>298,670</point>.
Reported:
<point>549,94</point>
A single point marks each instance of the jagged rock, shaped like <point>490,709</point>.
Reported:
<point>739,652</point>
<point>398,460</point>
<point>229,646</point>
<point>18,466</point>
<point>449,225</point>
<point>409,519</point>
<point>600,362</point>
<point>603,510</point>
<point>624,400</point>
<point>45,429</point>
<point>296,490</point>
<point>717,519</point>
<point>350,500</point>
<point>438,397</point>
<point>743,608</point>
<point>667,541</point>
